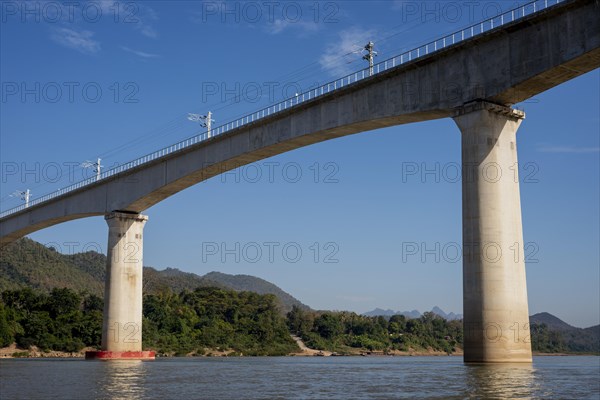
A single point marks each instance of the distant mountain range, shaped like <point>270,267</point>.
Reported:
<point>27,263</point>
<point>413,314</point>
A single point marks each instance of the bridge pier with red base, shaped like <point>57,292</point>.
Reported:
<point>496,317</point>
<point>122,322</point>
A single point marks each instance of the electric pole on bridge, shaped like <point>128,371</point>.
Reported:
<point>24,195</point>
<point>97,167</point>
<point>369,57</point>
<point>204,120</point>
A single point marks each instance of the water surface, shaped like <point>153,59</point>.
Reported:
<point>300,378</point>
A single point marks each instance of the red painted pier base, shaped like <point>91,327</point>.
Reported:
<point>120,355</point>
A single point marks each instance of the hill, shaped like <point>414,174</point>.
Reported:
<point>562,336</point>
<point>254,284</point>
<point>380,312</point>
<point>27,263</point>
<point>551,322</point>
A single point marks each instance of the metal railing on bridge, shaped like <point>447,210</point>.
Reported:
<point>408,56</point>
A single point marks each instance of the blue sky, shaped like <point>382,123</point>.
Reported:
<point>117,81</point>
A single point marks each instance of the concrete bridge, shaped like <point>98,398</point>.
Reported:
<point>473,76</point>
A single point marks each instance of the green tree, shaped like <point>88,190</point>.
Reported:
<point>63,301</point>
<point>300,321</point>
<point>7,334</point>
<point>329,325</point>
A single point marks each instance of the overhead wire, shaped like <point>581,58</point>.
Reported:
<point>303,73</point>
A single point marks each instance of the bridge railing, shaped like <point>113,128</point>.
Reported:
<point>408,56</point>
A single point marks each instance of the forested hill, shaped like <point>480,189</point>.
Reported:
<point>551,334</point>
<point>254,284</point>
<point>27,263</point>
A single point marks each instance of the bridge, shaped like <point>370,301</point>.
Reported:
<point>473,75</point>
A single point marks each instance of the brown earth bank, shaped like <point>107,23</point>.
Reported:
<point>13,351</point>
<point>536,353</point>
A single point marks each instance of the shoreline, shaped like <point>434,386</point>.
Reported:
<point>24,354</point>
<point>13,352</point>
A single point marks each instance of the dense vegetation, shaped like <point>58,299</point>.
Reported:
<point>550,339</point>
<point>342,331</point>
<point>62,320</point>
<point>190,322</point>
<point>545,340</point>
<point>210,319</point>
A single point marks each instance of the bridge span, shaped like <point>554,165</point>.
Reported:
<point>473,76</point>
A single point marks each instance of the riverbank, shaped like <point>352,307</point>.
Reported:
<point>15,352</point>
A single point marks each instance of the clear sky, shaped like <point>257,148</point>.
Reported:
<point>116,81</point>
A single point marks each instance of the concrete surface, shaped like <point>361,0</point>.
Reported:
<point>122,322</point>
<point>496,315</point>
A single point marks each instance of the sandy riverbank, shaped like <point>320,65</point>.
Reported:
<point>13,351</point>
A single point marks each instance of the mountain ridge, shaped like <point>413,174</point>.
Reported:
<point>27,263</point>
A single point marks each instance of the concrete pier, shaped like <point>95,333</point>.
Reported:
<point>496,317</point>
<point>122,323</point>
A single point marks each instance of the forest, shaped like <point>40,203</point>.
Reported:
<point>210,320</point>
<point>341,332</point>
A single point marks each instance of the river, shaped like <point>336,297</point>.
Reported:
<point>566,377</point>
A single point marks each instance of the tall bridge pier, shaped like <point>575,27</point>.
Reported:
<point>122,318</point>
<point>496,315</point>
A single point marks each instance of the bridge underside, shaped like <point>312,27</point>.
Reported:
<point>504,66</point>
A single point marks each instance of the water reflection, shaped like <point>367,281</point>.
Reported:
<point>501,381</point>
<point>123,379</point>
